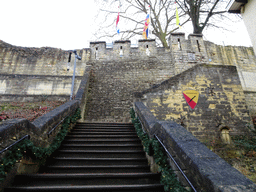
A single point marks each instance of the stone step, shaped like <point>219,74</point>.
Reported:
<point>93,188</point>
<point>94,157</point>
<point>96,169</point>
<point>100,153</point>
<point>58,161</point>
<point>103,133</point>
<point>88,179</point>
<point>100,129</point>
<point>101,136</point>
<point>101,146</point>
<point>102,141</point>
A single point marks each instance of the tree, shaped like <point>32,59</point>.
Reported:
<point>133,14</point>
<point>201,11</point>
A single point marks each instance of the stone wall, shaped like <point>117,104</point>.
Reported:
<point>115,82</point>
<point>117,78</point>
<point>38,71</point>
<point>37,84</point>
<point>39,61</point>
<point>221,101</point>
<point>120,71</point>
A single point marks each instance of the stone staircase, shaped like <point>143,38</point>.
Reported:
<point>95,157</point>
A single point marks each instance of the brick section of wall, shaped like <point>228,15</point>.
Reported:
<point>115,83</point>
<point>227,104</point>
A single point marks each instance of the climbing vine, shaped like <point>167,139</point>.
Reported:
<point>153,147</point>
<point>27,148</point>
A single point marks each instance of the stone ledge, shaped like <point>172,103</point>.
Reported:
<point>195,35</point>
<point>9,129</point>
<point>146,117</point>
<point>123,41</point>
<point>177,34</point>
<point>45,122</point>
<point>98,42</point>
<point>39,76</point>
<point>206,170</point>
<point>146,40</point>
<point>34,98</point>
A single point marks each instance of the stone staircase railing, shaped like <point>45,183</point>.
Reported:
<point>206,170</point>
<point>15,129</point>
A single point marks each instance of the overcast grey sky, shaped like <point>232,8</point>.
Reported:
<point>70,25</point>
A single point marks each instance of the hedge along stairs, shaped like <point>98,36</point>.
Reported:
<point>95,157</point>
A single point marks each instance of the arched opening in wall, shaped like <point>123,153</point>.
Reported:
<point>224,135</point>
<point>198,45</point>
<point>146,46</point>
<point>179,44</point>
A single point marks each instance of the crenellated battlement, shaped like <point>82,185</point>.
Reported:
<point>122,50</point>
<point>182,53</point>
<point>178,44</point>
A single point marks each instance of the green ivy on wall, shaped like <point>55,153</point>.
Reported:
<point>153,147</point>
<point>26,147</point>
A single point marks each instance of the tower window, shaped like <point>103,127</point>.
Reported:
<point>179,44</point>
<point>198,45</point>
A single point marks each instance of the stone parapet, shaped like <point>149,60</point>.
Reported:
<point>205,170</point>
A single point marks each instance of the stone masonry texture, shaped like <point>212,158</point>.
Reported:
<point>225,105</point>
<point>120,75</point>
<point>27,73</point>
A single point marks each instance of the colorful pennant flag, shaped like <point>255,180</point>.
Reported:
<point>145,30</point>
<point>117,26</point>
<point>177,17</point>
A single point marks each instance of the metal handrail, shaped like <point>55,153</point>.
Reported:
<point>28,136</point>
<point>175,163</point>
<point>183,174</point>
<point>50,132</point>
<point>16,142</point>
